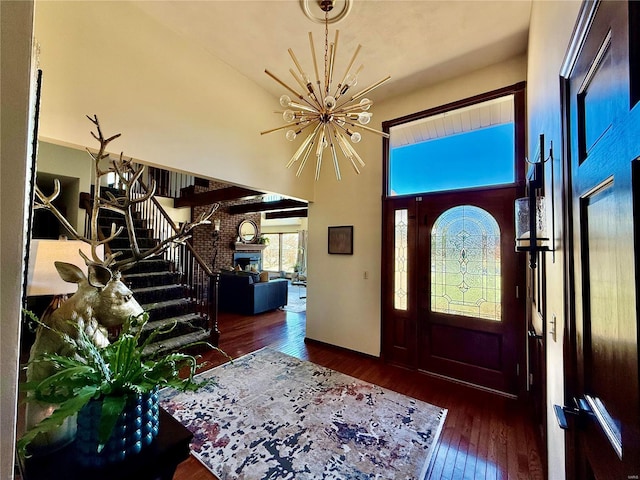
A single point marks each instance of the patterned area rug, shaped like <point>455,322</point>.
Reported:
<point>273,416</point>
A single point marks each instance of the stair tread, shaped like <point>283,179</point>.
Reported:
<point>156,287</point>
<point>154,305</point>
<point>148,274</point>
<point>175,343</point>
<point>165,322</point>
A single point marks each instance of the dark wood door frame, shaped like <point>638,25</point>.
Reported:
<point>404,352</point>
<point>581,461</point>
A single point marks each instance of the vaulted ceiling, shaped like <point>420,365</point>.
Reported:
<point>416,42</point>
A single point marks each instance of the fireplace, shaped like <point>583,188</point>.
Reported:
<point>248,258</point>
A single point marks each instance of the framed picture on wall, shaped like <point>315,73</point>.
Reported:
<point>341,240</point>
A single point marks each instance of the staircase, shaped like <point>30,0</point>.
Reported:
<point>161,290</point>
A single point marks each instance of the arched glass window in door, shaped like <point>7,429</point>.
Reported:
<point>465,264</point>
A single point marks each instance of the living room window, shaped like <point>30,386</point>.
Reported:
<point>281,253</point>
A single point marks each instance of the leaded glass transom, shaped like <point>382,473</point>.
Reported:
<point>401,225</point>
<point>465,264</point>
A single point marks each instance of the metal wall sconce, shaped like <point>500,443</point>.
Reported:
<point>530,212</point>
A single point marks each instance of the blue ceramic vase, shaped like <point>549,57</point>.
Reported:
<point>135,429</point>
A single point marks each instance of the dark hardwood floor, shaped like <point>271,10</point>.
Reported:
<point>485,436</point>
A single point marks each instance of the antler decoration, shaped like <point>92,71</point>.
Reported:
<point>129,176</point>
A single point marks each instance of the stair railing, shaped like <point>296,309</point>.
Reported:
<point>201,283</point>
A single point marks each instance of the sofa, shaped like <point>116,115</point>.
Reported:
<point>243,293</point>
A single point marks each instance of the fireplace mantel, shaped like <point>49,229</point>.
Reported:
<point>250,247</point>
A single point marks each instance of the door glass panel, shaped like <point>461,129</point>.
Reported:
<point>401,224</point>
<point>465,264</point>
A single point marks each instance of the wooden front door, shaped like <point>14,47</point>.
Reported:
<point>455,309</point>
<point>602,145</point>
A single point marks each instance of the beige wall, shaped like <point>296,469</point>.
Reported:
<point>16,20</point>
<point>111,59</point>
<point>59,161</point>
<point>550,32</point>
<point>343,308</point>
<point>195,124</point>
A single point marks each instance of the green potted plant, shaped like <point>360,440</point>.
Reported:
<point>99,384</point>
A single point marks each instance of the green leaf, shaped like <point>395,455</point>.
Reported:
<point>112,407</point>
<point>66,409</point>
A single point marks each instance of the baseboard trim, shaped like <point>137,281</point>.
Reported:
<point>340,349</point>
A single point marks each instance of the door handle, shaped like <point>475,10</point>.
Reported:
<point>580,410</point>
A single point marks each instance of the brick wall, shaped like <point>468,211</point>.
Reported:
<point>202,239</point>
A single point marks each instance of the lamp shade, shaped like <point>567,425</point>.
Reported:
<point>42,276</point>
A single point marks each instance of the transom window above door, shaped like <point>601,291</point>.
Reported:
<point>466,147</point>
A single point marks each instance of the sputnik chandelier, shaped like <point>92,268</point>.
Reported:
<point>327,115</point>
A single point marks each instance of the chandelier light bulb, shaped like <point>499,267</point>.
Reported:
<point>285,100</point>
<point>291,135</point>
<point>323,110</point>
<point>364,118</point>
<point>329,102</point>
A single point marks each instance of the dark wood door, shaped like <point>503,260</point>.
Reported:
<point>470,283</point>
<point>443,314</point>
<point>602,141</point>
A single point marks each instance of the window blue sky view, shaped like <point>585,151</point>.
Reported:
<point>472,159</point>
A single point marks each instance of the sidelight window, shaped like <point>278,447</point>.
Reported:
<point>401,225</point>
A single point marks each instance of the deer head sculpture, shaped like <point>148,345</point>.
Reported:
<point>102,301</point>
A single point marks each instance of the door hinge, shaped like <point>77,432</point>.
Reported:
<point>517,291</point>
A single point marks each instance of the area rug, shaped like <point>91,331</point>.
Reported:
<point>273,416</point>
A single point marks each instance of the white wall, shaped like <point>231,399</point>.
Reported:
<point>16,20</point>
<point>550,32</point>
<point>175,105</point>
<point>343,308</point>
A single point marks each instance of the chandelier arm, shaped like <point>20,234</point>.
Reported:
<point>293,124</point>
<point>295,60</point>
<point>354,153</point>
<point>303,146</point>
<point>342,89</point>
<point>308,152</point>
<point>309,88</point>
<point>332,145</point>
<point>346,151</point>
<point>319,152</point>
<point>358,106</point>
<point>368,89</point>
<point>311,109</point>
<point>320,94</point>
<point>332,58</point>
<point>368,129</point>
<point>313,55</point>
<point>353,59</point>
<point>297,94</point>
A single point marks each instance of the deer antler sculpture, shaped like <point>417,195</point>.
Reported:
<point>128,176</point>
